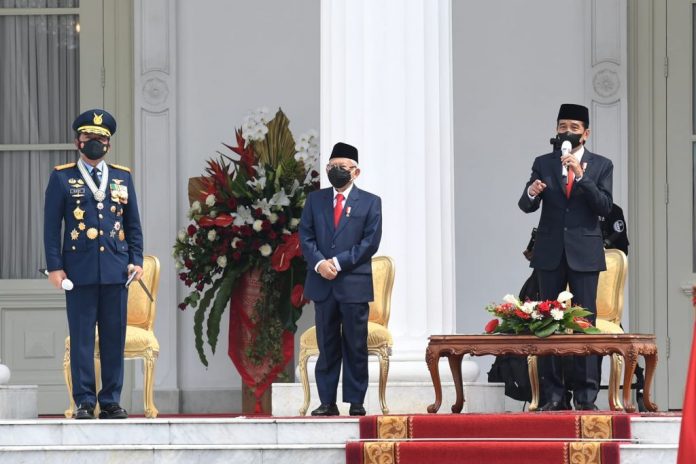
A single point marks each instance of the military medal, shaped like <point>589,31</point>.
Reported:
<point>81,226</point>
<point>74,234</point>
<point>121,235</point>
<point>92,233</point>
<point>79,213</point>
<point>100,205</point>
<point>112,209</point>
<point>117,225</point>
<point>112,234</point>
<point>99,193</point>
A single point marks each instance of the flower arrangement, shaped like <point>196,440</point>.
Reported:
<point>244,217</point>
<point>541,318</point>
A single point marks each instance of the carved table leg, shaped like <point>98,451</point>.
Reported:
<point>630,361</point>
<point>455,362</point>
<point>650,365</point>
<point>533,381</point>
<point>432,358</point>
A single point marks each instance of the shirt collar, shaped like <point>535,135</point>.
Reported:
<point>345,193</point>
<point>90,168</point>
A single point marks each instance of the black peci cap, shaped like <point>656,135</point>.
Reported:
<point>343,150</point>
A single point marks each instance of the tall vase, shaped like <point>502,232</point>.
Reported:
<point>256,377</point>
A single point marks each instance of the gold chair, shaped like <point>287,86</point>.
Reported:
<point>379,339</point>
<point>610,300</point>
<point>140,337</point>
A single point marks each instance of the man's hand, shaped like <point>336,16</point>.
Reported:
<point>327,269</point>
<point>137,269</point>
<point>536,188</point>
<point>56,278</point>
<point>571,162</point>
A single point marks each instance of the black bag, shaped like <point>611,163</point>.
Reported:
<point>512,371</point>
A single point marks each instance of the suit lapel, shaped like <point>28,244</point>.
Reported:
<point>586,162</point>
<point>327,201</point>
<point>351,205</point>
<point>558,172</point>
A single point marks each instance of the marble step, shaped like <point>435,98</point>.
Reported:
<point>237,432</point>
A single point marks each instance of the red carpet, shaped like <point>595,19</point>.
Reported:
<point>528,438</point>
<point>452,452</point>
<point>542,426</point>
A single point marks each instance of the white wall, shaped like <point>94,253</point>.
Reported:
<point>507,89</point>
<point>235,56</point>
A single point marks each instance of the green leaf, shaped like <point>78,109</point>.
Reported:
<point>198,319</point>
<point>545,332</point>
<point>222,299</point>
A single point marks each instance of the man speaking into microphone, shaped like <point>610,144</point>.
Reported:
<point>573,188</point>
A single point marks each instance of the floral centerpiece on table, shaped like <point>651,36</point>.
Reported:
<point>244,218</point>
<point>541,318</point>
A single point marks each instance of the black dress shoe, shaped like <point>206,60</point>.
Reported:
<point>554,406</point>
<point>356,409</point>
<point>326,410</point>
<point>113,411</point>
<point>84,411</point>
<point>586,407</point>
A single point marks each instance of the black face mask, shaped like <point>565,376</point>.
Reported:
<point>339,177</point>
<point>93,149</point>
<point>574,139</point>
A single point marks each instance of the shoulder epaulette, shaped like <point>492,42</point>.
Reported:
<point>118,166</point>
<point>64,166</point>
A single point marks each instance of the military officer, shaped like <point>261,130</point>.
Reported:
<point>101,246</point>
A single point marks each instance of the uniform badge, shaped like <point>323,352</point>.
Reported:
<point>76,192</point>
<point>80,182</point>
<point>92,233</point>
<point>121,235</point>
<point>112,209</point>
<point>79,213</point>
<point>100,205</point>
<point>74,234</point>
<point>72,181</point>
<point>112,234</point>
<point>117,225</point>
<point>619,226</point>
<point>81,226</point>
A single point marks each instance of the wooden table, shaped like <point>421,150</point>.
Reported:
<point>630,346</point>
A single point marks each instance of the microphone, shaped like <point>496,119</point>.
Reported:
<point>565,149</point>
<point>66,284</point>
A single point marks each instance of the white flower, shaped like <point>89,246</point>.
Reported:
<point>210,200</point>
<point>273,217</point>
<point>222,261</point>
<point>259,181</point>
<point>212,235</point>
<point>280,199</point>
<point>181,235</point>
<point>178,266</point>
<point>243,216</point>
<point>254,125</point>
<point>213,213</point>
<point>512,299</point>
<point>195,209</point>
<point>536,315</point>
<point>263,205</point>
<point>528,307</point>
<point>258,225</point>
<point>294,222</point>
<point>564,296</point>
<point>557,314</point>
<point>265,249</point>
<point>234,242</point>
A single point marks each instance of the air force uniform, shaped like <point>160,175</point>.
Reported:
<point>101,237</point>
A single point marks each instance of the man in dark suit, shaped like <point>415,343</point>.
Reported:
<point>573,190</point>
<point>340,231</point>
<point>102,244</point>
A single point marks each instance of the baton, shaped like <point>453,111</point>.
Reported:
<point>131,276</point>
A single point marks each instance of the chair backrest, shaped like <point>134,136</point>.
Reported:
<point>610,289</point>
<point>142,311</point>
<point>382,282</point>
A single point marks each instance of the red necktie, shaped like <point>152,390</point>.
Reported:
<point>338,209</point>
<point>571,179</point>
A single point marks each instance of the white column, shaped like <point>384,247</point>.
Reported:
<point>386,87</point>
<point>155,172</point>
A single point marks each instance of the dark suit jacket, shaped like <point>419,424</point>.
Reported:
<point>353,243</point>
<point>570,224</point>
<point>117,240</point>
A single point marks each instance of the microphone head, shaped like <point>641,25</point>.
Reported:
<point>566,146</point>
<point>67,284</point>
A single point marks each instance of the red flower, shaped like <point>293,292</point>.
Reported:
<point>191,230</point>
<point>223,220</point>
<point>492,325</point>
<point>297,296</point>
<point>232,203</point>
<point>582,322</point>
<point>285,252</point>
<point>206,221</point>
<point>521,314</point>
<point>236,256</point>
